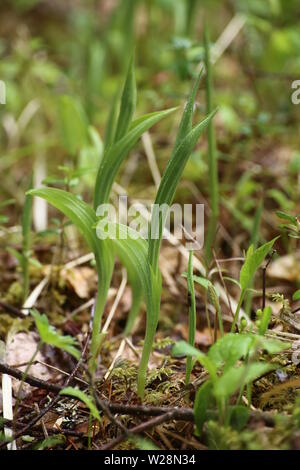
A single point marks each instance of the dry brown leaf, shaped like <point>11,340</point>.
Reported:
<point>20,351</point>
<point>81,279</point>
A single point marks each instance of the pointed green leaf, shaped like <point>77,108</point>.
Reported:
<point>203,397</point>
<point>50,336</point>
<point>75,392</point>
<point>253,260</point>
<point>236,377</point>
<point>115,154</point>
<point>168,185</point>
<point>128,103</point>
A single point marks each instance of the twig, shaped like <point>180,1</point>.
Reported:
<point>53,402</point>
<point>17,374</point>
<point>11,309</point>
<point>141,428</point>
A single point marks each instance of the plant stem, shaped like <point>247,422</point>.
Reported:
<point>97,317</point>
<point>192,317</point>
<point>212,154</point>
<point>236,315</point>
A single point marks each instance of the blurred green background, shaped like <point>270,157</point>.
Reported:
<point>81,48</point>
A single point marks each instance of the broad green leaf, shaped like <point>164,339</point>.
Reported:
<point>128,103</point>
<point>115,154</point>
<point>253,260</point>
<point>50,336</point>
<point>75,392</point>
<point>84,217</point>
<point>236,377</point>
<point>182,348</point>
<point>272,346</point>
<point>229,349</point>
<point>296,295</point>
<point>202,400</point>
<point>74,124</point>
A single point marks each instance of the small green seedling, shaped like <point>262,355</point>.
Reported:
<point>49,335</point>
<point>253,260</point>
<point>227,375</point>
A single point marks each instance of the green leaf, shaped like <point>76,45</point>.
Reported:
<point>265,320</point>
<point>75,392</point>
<point>115,154</point>
<point>238,417</point>
<point>168,185</point>
<point>253,260</point>
<point>229,349</point>
<point>202,400</point>
<point>50,336</point>
<point>289,218</point>
<point>236,377</point>
<point>74,124</point>
<point>182,348</point>
<point>84,217</point>
<point>128,102</point>
<point>296,295</point>
<point>192,316</point>
<point>51,441</point>
<point>272,346</point>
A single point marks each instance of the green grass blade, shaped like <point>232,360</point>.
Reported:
<point>169,183</point>
<point>186,122</point>
<point>192,316</point>
<point>212,154</point>
<point>128,102</point>
<point>115,154</point>
<point>254,240</point>
<point>111,124</point>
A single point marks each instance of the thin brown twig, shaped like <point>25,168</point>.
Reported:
<point>33,381</point>
<point>53,402</point>
<point>141,428</point>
